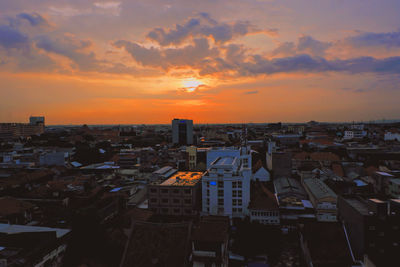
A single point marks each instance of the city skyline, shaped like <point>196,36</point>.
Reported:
<point>134,62</point>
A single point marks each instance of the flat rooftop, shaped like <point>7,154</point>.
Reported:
<point>360,206</point>
<point>183,179</point>
<point>225,161</point>
<point>16,229</point>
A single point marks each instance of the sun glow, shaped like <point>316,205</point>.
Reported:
<point>191,85</point>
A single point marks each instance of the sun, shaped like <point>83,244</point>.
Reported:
<point>191,84</point>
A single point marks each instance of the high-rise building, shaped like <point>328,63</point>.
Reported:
<point>182,132</point>
<point>226,185</point>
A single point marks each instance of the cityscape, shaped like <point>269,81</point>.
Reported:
<point>273,194</point>
<point>213,133</point>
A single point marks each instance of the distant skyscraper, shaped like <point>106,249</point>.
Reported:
<point>182,132</point>
<point>36,120</point>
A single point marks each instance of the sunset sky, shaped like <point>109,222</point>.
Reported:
<point>213,61</point>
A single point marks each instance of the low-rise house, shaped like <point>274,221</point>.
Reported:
<point>157,244</point>
<point>263,207</point>
<point>23,245</point>
<point>261,175</point>
<point>209,242</point>
<point>322,197</point>
<point>292,201</point>
<point>392,135</point>
<point>15,211</point>
<point>393,189</point>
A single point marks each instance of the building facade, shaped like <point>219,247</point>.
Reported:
<point>323,199</point>
<point>226,185</point>
<point>16,130</point>
<point>372,228</point>
<point>179,195</point>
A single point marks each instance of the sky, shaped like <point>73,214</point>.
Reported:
<point>213,61</point>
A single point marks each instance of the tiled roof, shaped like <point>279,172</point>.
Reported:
<point>153,244</point>
<point>10,205</point>
<point>262,198</point>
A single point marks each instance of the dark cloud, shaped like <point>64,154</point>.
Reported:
<point>305,45</point>
<point>12,38</point>
<point>191,55</point>
<point>388,39</point>
<point>34,19</point>
<point>71,48</point>
<point>251,92</point>
<point>204,26</point>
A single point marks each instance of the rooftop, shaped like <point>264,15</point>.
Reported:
<point>358,205</point>
<point>183,179</point>
<point>225,161</point>
<point>262,198</point>
<point>14,229</point>
<point>319,189</point>
<point>152,244</point>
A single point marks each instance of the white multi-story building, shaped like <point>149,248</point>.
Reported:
<point>356,134</point>
<point>226,185</point>
<point>392,135</point>
<point>219,152</point>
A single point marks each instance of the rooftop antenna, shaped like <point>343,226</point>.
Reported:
<point>244,135</point>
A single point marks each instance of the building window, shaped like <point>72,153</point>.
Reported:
<point>239,209</point>
<point>176,211</point>
<point>234,193</point>
<point>188,201</point>
<point>164,200</point>
<point>176,200</point>
<point>188,211</point>
<point>153,200</point>
<point>164,210</point>
<point>246,162</point>
<point>220,202</point>
<point>221,184</point>
<point>164,191</point>
<point>237,184</point>
<point>234,209</point>
<point>208,201</point>
<point>208,184</point>
<point>176,191</point>
<point>188,191</point>
<point>239,202</point>
<point>220,193</point>
<point>234,202</point>
<point>208,192</point>
<point>153,190</point>
<point>239,193</point>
